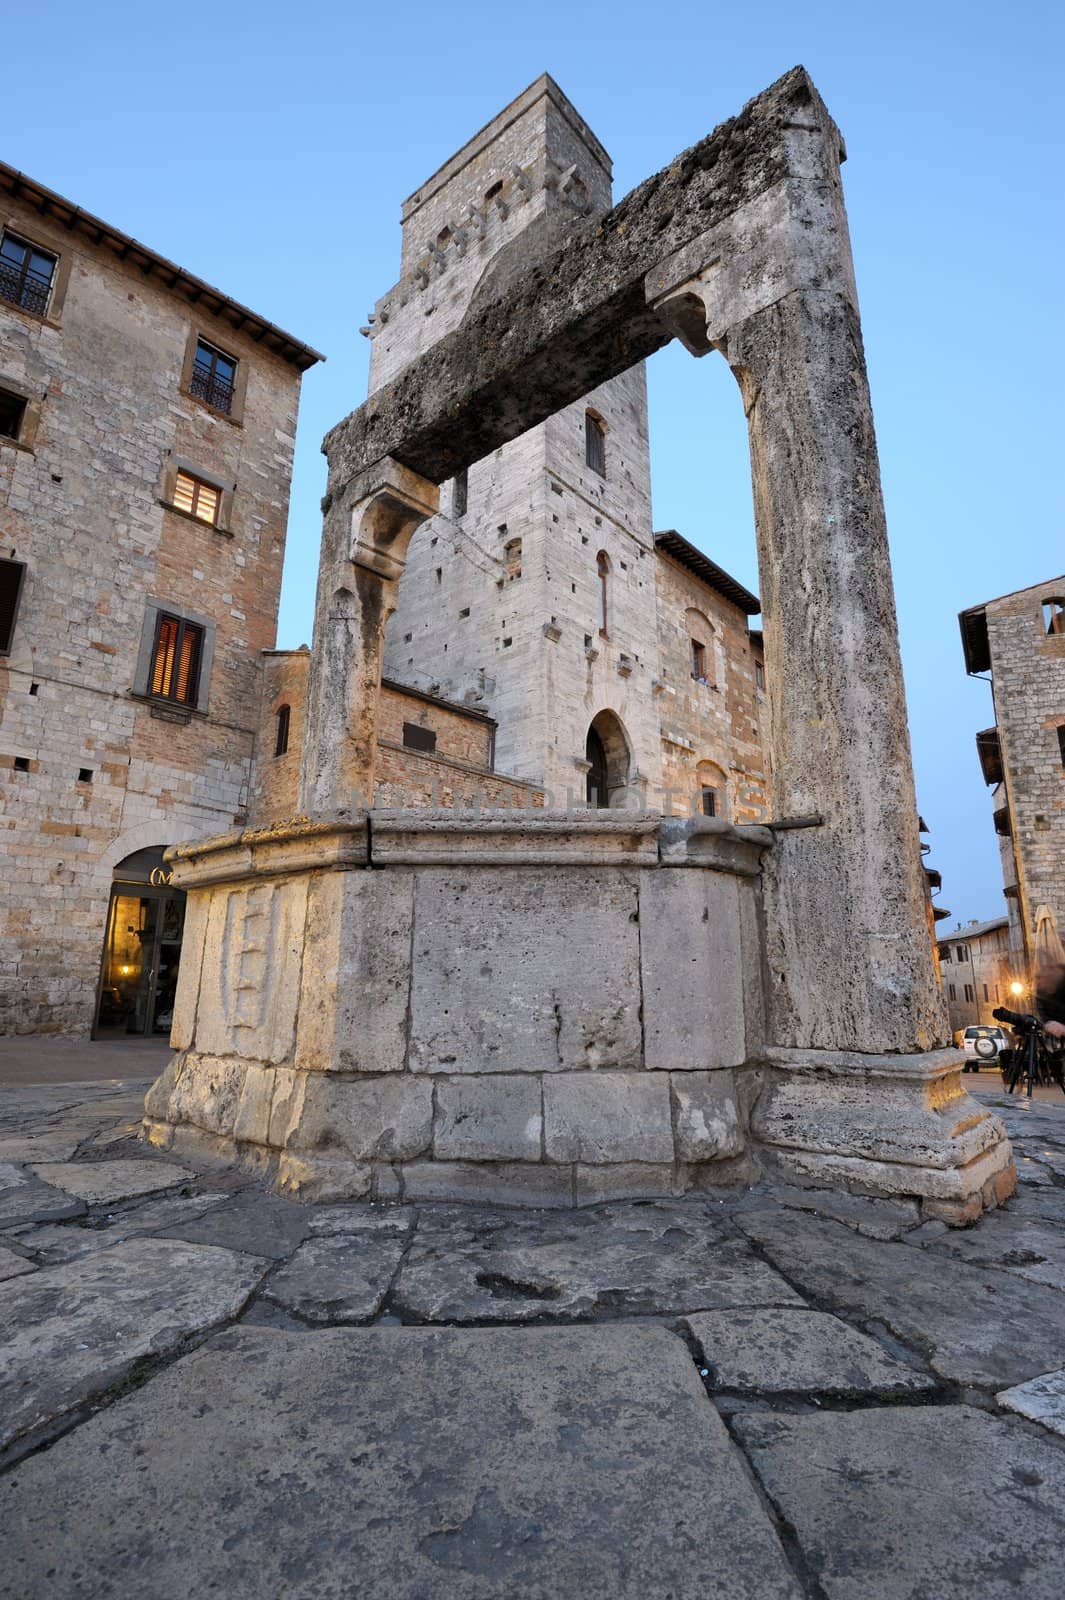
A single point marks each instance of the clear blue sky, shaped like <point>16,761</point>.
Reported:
<point>268,147</point>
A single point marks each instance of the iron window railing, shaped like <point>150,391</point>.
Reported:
<point>25,275</point>
<point>208,384</point>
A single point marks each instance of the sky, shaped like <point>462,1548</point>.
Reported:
<point>267,148</point>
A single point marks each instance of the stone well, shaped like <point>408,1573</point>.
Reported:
<point>526,1008</point>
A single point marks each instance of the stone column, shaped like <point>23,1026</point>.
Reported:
<point>851,979</point>
<point>368,527</point>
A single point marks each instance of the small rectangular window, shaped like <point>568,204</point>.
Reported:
<point>201,500</point>
<point>1061,743</point>
<point>460,494</point>
<point>759,675</point>
<point>1054,615</point>
<point>595,443</point>
<point>11,576</point>
<point>12,409</point>
<point>969,992</point>
<point>698,652</point>
<point>26,274</point>
<point>416,737</point>
<point>709,802</point>
<point>986,995</point>
<point>176,658</point>
<point>953,992</point>
<point>281,736</point>
<point>214,376</point>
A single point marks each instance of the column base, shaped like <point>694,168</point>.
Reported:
<point>893,1126</point>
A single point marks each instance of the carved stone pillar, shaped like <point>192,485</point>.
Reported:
<point>850,969</point>
<point>367,530</point>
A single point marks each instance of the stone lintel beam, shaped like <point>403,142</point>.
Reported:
<point>368,526</point>
<point>580,315</point>
<point>294,846</point>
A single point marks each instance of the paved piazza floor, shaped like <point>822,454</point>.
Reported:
<point>755,1394</point>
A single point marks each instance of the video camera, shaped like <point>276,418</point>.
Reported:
<point>1022,1021</point>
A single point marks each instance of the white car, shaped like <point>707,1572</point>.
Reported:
<point>982,1042</point>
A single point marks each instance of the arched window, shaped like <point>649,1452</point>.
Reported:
<point>281,735</point>
<point>609,761</point>
<point>595,443</point>
<point>712,797</point>
<point>602,567</point>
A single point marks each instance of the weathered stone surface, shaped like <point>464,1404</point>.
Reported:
<point>253,947</point>
<point>13,1265</point>
<point>1041,1399</point>
<point>496,987</point>
<point>497,1117</point>
<point>58,1146</point>
<point>53,1243</point>
<point>356,973</point>
<point>798,1352</point>
<point>361,1219</point>
<point>259,1224</point>
<point>965,1319</point>
<point>692,971</point>
<point>26,1198</point>
<point>856,1489</point>
<point>504,1183</point>
<point>314,1177</point>
<point>367,1119</point>
<point>626,1180</point>
<point>342,1277</point>
<point>104,1182</point>
<point>71,1332</point>
<point>471,1463</point>
<point>467,1265</point>
<point>706,1118</point>
<point>599,1117</point>
<point>876,1219</point>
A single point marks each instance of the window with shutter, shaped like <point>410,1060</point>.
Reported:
<point>176,657</point>
<point>201,500</point>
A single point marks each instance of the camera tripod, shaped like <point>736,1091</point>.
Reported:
<point>1035,1062</point>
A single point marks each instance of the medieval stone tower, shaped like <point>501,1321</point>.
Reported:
<point>532,594</point>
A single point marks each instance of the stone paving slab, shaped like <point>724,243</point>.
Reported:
<point>976,1325</point>
<point>26,1198</point>
<point>257,1223</point>
<point>651,1258</point>
<point>24,1148</point>
<point>1042,1399</point>
<point>917,1503</point>
<point>73,1331</point>
<point>342,1278</point>
<point>12,1265</point>
<point>798,1352</point>
<point>417,1464</point>
<point>101,1183</point>
<point>52,1243</point>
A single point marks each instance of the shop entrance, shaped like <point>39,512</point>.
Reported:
<point>142,949</point>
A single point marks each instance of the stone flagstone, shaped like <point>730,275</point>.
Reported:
<point>101,1183</point>
<point>72,1332</point>
<point>13,1265</point>
<point>471,1464</point>
<point>1042,1399</point>
<point>798,1352</point>
<point>338,1278</point>
<point>916,1503</point>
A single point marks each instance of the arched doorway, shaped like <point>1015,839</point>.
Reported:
<point>142,949</point>
<point>607,754</point>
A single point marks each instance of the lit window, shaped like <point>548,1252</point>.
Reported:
<point>26,274</point>
<point>602,567</point>
<point>595,443</point>
<point>199,499</point>
<point>214,376</point>
<point>11,576</point>
<point>176,657</point>
<point>12,407</point>
<point>699,665</point>
<point>281,737</point>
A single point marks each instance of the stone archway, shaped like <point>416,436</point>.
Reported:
<point>609,754</point>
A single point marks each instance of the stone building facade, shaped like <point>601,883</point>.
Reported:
<point>614,660</point>
<point>147,425</point>
<point>977,970</point>
<point>1020,640</point>
<point>430,752</point>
